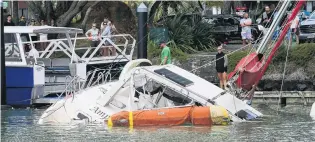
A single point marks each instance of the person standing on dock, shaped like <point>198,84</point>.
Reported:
<point>93,35</point>
<point>246,33</point>
<point>22,21</point>
<point>221,67</point>
<point>267,17</point>
<point>108,46</point>
<point>295,30</point>
<point>165,54</point>
<point>104,24</point>
<point>9,21</point>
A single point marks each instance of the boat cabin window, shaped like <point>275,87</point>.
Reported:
<point>154,88</point>
<point>11,47</point>
<point>174,77</point>
<point>177,98</point>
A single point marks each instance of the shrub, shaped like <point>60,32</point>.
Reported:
<point>189,33</point>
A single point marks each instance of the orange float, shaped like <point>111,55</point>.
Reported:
<point>193,115</point>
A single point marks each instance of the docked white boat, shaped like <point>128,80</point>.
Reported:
<point>43,76</point>
<point>142,86</point>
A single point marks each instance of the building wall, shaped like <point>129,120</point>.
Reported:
<point>23,9</point>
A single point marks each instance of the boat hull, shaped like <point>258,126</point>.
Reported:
<point>24,84</point>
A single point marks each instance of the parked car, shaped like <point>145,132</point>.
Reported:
<point>307,29</point>
<point>227,27</point>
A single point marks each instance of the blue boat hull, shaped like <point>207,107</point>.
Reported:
<point>20,85</point>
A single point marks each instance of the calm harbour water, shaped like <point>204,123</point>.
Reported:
<point>291,124</point>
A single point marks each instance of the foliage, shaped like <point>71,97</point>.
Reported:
<point>62,11</point>
<point>164,8</point>
<point>189,33</point>
<point>154,52</point>
<point>218,3</point>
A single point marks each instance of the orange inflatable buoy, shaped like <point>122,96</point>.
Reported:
<point>193,115</point>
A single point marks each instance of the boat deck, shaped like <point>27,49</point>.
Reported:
<point>47,100</point>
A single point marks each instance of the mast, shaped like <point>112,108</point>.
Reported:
<point>273,26</point>
<point>249,71</point>
<point>279,41</point>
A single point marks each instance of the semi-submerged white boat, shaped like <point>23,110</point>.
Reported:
<point>143,86</point>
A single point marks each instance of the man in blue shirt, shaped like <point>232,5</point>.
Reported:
<point>108,32</point>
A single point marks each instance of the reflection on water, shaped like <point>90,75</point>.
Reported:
<point>291,124</point>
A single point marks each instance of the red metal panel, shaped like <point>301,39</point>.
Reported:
<point>23,4</point>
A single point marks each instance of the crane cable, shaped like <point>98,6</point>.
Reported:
<point>284,69</point>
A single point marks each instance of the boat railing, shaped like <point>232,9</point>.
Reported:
<point>59,48</point>
<point>75,84</point>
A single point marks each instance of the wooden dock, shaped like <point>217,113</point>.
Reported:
<point>288,97</point>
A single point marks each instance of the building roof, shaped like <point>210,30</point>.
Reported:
<point>40,29</point>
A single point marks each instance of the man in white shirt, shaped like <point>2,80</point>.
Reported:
<point>295,30</point>
<point>246,29</point>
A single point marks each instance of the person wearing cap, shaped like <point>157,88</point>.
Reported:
<point>221,66</point>
<point>165,54</point>
<point>108,33</point>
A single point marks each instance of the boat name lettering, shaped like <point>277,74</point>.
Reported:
<point>99,112</point>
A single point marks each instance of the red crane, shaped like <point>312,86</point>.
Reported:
<point>251,68</point>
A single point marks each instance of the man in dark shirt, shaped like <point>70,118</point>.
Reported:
<point>267,17</point>
<point>9,22</point>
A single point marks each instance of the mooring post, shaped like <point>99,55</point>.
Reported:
<point>2,58</point>
<point>142,12</point>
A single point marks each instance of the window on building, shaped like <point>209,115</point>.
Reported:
<point>23,12</point>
